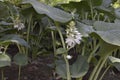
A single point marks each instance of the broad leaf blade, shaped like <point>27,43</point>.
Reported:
<point>80,67</point>
<point>14,39</point>
<point>115,62</point>
<point>105,26</point>
<point>114,59</point>
<point>61,68</point>
<point>111,37</point>
<point>104,47</point>
<point>85,30</point>
<point>4,60</point>
<point>54,13</point>
<point>20,59</point>
<point>109,32</point>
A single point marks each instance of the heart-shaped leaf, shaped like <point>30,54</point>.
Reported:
<point>20,59</point>
<point>105,48</point>
<point>4,60</point>
<point>109,32</point>
<point>80,67</point>
<point>54,13</point>
<point>111,37</point>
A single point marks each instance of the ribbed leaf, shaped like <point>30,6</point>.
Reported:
<point>85,30</point>
<point>109,32</point>
<point>54,13</point>
<point>12,38</point>
<point>105,26</point>
<point>111,37</point>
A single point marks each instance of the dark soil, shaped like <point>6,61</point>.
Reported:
<point>111,75</point>
<point>39,70</point>
<point>36,70</point>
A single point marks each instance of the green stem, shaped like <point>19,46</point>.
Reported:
<point>91,54</point>
<point>54,46</point>
<point>91,8</point>
<point>2,74</point>
<point>19,48</point>
<point>63,44</point>
<point>67,68</point>
<point>83,50</point>
<point>5,49</point>
<point>19,72</point>
<point>100,67</point>
<point>61,36</point>
<point>28,31</point>
<point>95,70</point>
<point>104,72</point>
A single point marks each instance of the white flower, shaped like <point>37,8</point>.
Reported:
<point>19,26</point>
<point>73,36</point>
<point>69,57</point>
<point>70,42</point>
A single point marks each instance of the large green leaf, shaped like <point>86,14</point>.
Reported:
<point>80,67</point>
<point>104,47</point>
<point>54,13</point>
<point>61,68</point>
<point>20,59</point>
<point>114,59</point>
<point>117,13</point>
<point>77,69</point>
<point>105,26</point>
<point>4,60</point>
<point>12,38</point>
<point>84,29</point>
<point>5,23</point>
<point>112,36</point>
<point>115,62</point>
<point>109,32</point>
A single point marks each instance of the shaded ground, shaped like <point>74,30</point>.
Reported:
<point>39,70</point>
<point>111,75</point>
<point>36,70</point>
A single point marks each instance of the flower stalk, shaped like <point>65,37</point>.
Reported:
<point>64,55</point>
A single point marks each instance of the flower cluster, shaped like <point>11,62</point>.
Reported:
<point>73,36</point>
<point>18,25</point>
